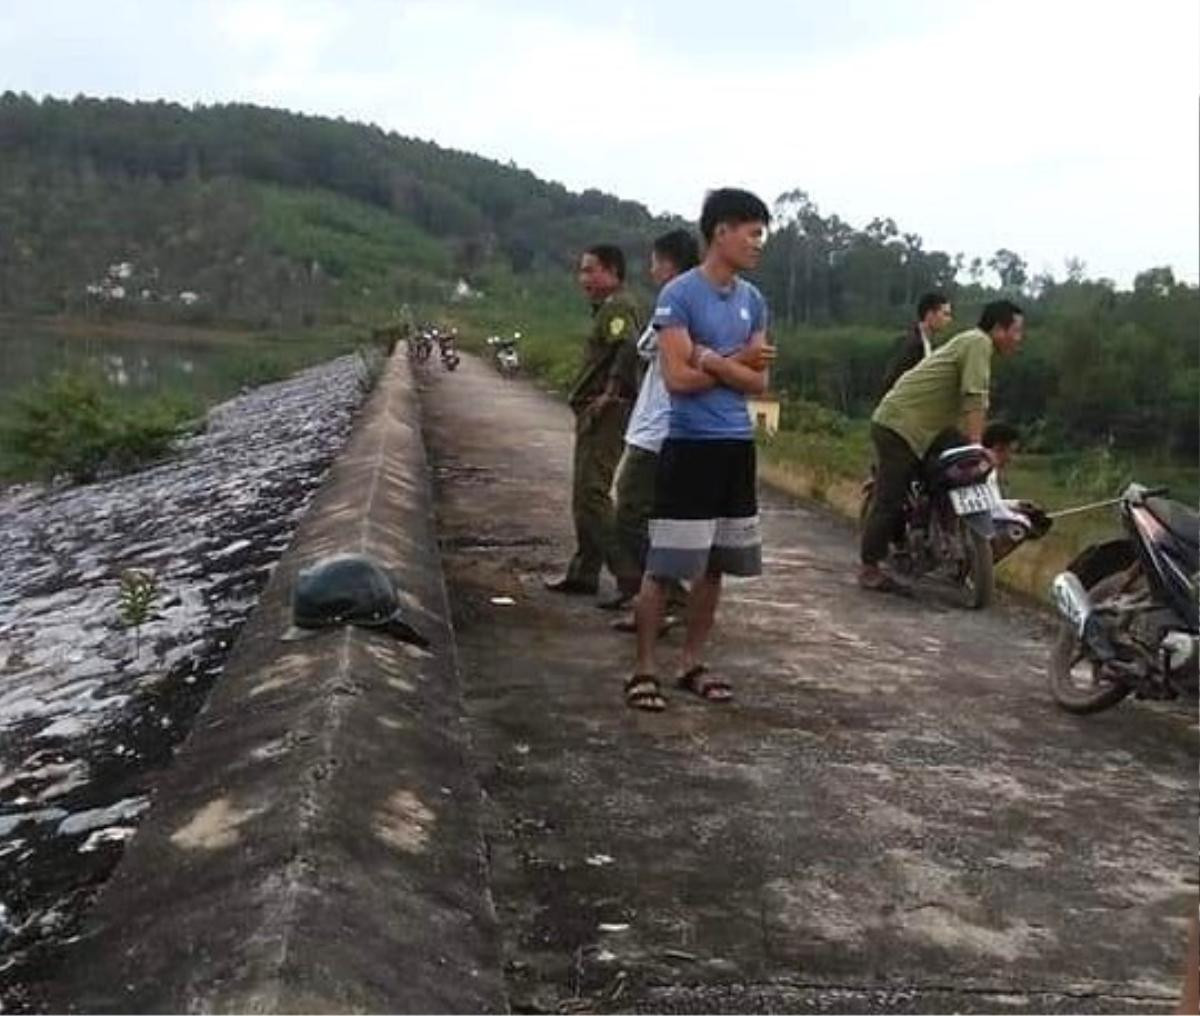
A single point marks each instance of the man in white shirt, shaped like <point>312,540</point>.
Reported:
<point>672,254</point>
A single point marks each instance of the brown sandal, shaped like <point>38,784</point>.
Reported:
<point>642,691</point>
<point>710,689</point>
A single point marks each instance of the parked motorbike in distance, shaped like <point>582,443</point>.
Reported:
<point>448,348</point>
<point>1129,609</point>
<point>420,346</point>
<point>504,352</point>
<point>948,523</point>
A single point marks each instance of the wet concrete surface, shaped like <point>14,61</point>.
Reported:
<point>316,844</point>
<point>89,713</point>
<point>892,817</point>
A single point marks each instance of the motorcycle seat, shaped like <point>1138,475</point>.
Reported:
<point>956,466</point>
<point>1180,521</point>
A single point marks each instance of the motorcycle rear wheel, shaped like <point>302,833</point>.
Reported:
<point>864,507</point>
<point>978,578</point>
<point>1067,656</point>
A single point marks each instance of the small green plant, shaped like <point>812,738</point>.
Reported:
<point>138,593</point>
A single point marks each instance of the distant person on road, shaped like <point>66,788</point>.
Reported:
<point>933,315</point>
<point>712,339</point>
<point>672,253</point>
<point>949,388</point>
<point>601,396</point>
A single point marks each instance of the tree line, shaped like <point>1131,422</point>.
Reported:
<point>1102,366</point>
<point>280,217</point>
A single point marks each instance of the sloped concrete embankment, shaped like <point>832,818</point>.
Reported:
<point>316,846</point>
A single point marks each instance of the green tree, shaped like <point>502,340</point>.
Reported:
<point>1010,268</point>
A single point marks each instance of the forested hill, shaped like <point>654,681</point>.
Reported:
<point>278,219</point>
<point>213,197</point>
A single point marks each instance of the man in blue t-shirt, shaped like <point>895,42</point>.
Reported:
<point>713,351</point>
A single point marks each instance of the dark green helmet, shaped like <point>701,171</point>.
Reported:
<point>348,589</point>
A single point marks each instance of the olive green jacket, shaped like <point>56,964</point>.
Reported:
<point>611,351</point>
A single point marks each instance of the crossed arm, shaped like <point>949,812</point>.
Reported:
<point>689,369</point>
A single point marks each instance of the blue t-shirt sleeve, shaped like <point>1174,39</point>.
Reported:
<point>671,309</point>
<point>758,312</point>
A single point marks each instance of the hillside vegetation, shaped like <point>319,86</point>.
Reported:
<point>242,216</point>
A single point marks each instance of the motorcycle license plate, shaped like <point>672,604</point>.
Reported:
<point>972,500</point>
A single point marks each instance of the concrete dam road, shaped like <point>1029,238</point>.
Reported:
<point>893,816</point>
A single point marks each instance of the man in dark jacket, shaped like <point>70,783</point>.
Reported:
<point>933,314</point>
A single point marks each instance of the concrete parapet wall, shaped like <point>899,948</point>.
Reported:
<point>316,845</point>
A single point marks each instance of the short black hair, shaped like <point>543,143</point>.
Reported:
<point>731,207</point>
<point>1000,433</point>
<point>610,256</point>
<point>680,248</point>
<point>930,302</point>
<point>999,312</point>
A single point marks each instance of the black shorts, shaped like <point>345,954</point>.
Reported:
<point>705,510</point>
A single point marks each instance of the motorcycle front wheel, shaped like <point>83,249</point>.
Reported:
<point>1075,681</point>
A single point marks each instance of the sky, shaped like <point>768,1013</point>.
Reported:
<point>1056,128</point>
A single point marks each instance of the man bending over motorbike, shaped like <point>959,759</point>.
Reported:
<point>947,389</point>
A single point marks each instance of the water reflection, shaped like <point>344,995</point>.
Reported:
<point>31,352</point>
<point>115,372</point>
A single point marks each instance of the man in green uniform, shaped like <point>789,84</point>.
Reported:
<point>948,389</point>
<point>601,397</point>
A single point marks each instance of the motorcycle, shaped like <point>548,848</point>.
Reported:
<point>1129,609</point>
<point>504,351</point>
<point>420,346</point>
<point>449,353</point>
<point>948,523</point>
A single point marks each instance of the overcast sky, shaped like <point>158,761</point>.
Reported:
<point>1052,127</point>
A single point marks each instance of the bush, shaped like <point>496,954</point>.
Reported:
<point>806,417</point>
<point>76,425</point>
<point>248,368</point>
<point>1097,472</point>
